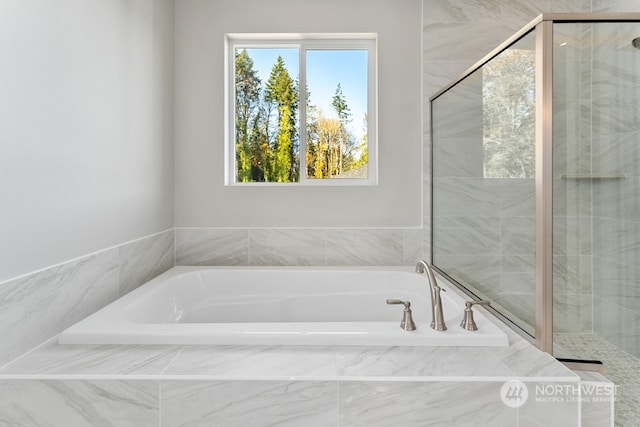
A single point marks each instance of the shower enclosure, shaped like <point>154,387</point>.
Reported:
<point>536,187</point>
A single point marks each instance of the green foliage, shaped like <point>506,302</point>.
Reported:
<point>509,115</point>
<point>331,148</point>
<point>282,91</point>
<point>339,103</point>
<point>247,102</point>
<point>267,139</point>
<point>266,132</point>
<point>363,147</point>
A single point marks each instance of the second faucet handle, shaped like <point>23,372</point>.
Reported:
<point>467,319</point>
<point>407,319</point>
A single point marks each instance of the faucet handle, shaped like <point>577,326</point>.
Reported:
<point>469,304</point>
<point>407,304</point>
<point>407,319</point>
<point>467,322</point>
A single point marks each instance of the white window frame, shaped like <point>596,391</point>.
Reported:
<point>304,42</point>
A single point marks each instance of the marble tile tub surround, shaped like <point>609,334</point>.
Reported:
<point>37,306</point>
<point>231,403</point>
<point>298,246</point>
<point>279,385</point>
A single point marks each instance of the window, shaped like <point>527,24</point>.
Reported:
<point>278,133</point>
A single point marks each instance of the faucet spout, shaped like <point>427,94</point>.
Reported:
<point>437,317</point>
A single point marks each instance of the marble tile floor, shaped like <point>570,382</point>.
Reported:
<point>621,368</point>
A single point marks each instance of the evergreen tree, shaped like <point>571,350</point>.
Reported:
<point>247,102</point>
<point>282,91</point>
<point>312,135</point>
<point>345,141</point>
<point>339,103</point>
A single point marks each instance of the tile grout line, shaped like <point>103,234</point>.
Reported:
<point>159,403</point>
<point>15,359</point>
<point>171,362</point>
<point>338,403</point>
<point>326,247</point>
<point>160,380</point>
<point>248,246</point>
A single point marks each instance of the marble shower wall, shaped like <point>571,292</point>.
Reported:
<point>596,250</point>
<point>572,216</point>
<point>616,202</point>
<point>37,306</point>
<point>483,221</point>
<point>457,34</point>
<point>297,247</point>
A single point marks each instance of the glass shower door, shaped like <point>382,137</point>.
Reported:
<point>483,182</point>
<point>596,165</point>
<point>596,202</point>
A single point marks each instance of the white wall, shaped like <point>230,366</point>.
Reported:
<point>201,199</point>
<point>86,155</point>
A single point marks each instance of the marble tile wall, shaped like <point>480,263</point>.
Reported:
<point>40,305</point>
<point>616,205</point>
<point>456,34</point>
<point>144,259</point>
<point>572,221</point>
<point>483,227</point>
<point>297,247</point>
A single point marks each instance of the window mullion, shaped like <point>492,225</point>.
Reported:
<point>302,113</point>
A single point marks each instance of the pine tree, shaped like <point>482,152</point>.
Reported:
<point>345,142</point>
<point>339,103</point>
<point>282,91</point>
<point>312,135</point>
<point>247,102</point>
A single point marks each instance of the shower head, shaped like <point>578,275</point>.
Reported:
<point>636,42</point>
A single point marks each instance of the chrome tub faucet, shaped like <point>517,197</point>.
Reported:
<point>437,318</point>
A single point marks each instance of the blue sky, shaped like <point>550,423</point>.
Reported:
<point>325,69</point>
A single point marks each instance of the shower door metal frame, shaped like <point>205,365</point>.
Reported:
<point>543,25</point>
<point>544,187</point>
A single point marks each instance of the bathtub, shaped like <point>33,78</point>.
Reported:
<point>280,306</point>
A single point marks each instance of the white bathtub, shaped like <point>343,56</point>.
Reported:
<point>280,306</point>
